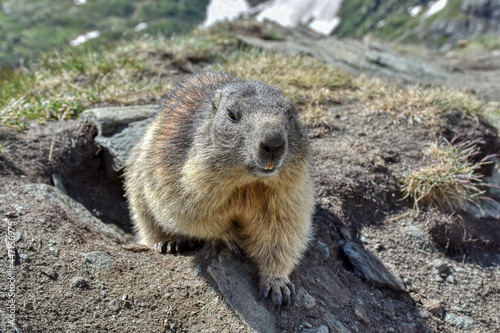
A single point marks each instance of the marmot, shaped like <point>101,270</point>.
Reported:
<point>226,160</point>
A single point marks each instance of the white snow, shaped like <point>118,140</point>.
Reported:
<point>221,10</point>
<point>141,26</point>
<point>435,7</point>
<point>414,11</point>
<point>319,15</point>
<point>84,38</point>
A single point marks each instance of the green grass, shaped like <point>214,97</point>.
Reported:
<point>62,84</point>
<point>36,26</point>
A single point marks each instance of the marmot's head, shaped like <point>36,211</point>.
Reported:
<point>256,127</point>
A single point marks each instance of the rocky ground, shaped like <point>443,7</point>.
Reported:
<point>69,262</point>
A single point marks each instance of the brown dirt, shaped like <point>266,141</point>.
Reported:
<point>357,165</point>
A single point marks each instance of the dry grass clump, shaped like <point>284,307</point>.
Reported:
<point>415,104</point>
<point>451,180</point>
<point>311,84</point>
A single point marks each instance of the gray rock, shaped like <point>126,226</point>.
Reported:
<point>234,281</point>
<point>368,266</point>
<point>56,179</point>
<point>334,324</point>
<point>79,282</point>
<point>354,57</point>
<point>463,322</point>
<point>305,299</point>
<point>114,305</point>
<point>319,329</point>
<point>73,208</point>
<point>118,129</point>
<point>320,251</point>
<point>97,261</point>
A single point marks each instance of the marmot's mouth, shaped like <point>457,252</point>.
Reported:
<point>264,172</point>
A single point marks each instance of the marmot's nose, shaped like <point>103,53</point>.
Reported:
<point>272,146</point>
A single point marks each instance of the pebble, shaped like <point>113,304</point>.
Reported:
<point>79,282</point>
<point>98,260</point>
<point>323,252</point>
<point>114,305</point>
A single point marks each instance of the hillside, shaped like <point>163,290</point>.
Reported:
<point>417,22</point>
<point>30,27</point>
<point>404,157</point>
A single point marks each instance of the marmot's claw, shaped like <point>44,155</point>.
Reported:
<point>175,246</point>
<point>281,290</point>
<point>160,247</point>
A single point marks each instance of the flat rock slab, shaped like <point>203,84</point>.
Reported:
<point>118,129</point>
<point>73,208</point>
<point>234,281</point>
<point>369,267</point>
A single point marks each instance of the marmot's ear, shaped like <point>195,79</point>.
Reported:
<point>217,99</point>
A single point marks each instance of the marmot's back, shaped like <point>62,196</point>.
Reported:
<point>226,160</point>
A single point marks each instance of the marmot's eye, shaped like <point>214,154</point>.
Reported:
<point>231,115</point>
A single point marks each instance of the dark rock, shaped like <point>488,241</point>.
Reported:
<point>118,129</point>
<point>234,280</point>
<point>368,266</point>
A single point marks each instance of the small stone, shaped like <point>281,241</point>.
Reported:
<point>306,299</point>
<point>307,324</point>
<point>17,236</point>
<point>360,313</point>
<point>435,307</point>
<point>198,270</point>
<point>319,329</point>
<point>322,251</point>
<point>97,260</point>
<point>50,273</point>
<point>25,257</point>
<point>125,296</point>
<point>79,282</point>
<point>441,266</point>
<point>54,250</point>
<point>463,322</point>
<point>114,305</point>
<point>450,279</point>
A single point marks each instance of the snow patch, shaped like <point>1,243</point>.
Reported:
<point>84,38</point>
<point>414,11</point>
<point>222,10</point>
<point>318,15</point>
<point>435,7</point>
<point>140,26</point>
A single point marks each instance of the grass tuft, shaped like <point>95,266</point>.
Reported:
<point>451,180</point>
<point>418,105</point>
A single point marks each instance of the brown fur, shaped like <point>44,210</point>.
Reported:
<point>181,185</point>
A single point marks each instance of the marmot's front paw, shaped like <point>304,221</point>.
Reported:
<point>280,289</point>
<point>175,246</point>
